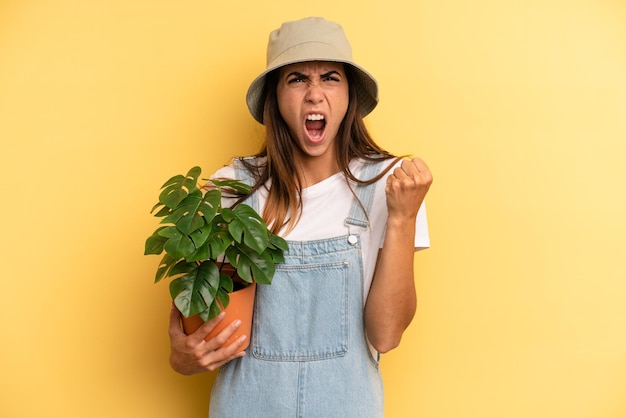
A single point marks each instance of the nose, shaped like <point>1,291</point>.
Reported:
<point>314,93</point>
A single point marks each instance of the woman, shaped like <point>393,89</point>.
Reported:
<point>351,214</point>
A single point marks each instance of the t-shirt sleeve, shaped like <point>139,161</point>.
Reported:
<point>226,172</point>
<point>422,238</point>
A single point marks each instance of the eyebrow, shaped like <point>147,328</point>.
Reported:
<point>300,75</point>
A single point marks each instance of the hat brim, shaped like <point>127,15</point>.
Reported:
<point>364,83</point>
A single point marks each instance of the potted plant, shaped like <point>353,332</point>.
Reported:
<point>211,251</point>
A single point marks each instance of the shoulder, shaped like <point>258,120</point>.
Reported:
<point>226,172</point>
<point>368,169</point>
<point>241,163</point>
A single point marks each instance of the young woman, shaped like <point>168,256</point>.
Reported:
<point>352,215</point>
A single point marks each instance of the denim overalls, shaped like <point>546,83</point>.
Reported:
<point>308,357</point>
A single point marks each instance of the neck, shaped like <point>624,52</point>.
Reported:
<point>312,170</point>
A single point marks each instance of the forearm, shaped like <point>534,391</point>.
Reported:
<point>392,300</point>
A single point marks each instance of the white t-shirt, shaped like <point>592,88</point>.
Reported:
<point>327,204</point>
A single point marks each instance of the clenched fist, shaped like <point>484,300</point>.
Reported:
<point>406,188</point>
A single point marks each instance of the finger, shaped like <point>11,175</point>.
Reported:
<point>221,356</point>
<point>406,169</point>
<point>217,364</point>
<point>398,173</point>
<point>199,335</point>
<point>230,352</point>
<point>234,349</point>
<point>424,171</point>
<point>175,316</point>
<point>420,165</point>
<point>417,170</point>
<point>417,164</point>
<point>220,339</point>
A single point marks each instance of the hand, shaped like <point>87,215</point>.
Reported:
<point>406,188</point>
<point>191,354</point>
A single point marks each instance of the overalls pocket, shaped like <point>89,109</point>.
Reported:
<point>303,314</point>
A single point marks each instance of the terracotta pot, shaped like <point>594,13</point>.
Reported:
<point>241,307</point>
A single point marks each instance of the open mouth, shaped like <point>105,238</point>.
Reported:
<point>315,125</point>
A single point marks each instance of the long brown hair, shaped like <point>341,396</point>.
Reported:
<point>284,201</point>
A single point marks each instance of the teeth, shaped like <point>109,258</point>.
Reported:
<point>315,117</point>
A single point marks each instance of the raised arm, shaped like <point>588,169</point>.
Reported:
<point>392,300</point>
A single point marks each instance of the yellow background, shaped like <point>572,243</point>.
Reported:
<point>518,106</point>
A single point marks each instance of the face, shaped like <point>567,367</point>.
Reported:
<point>313,100</point>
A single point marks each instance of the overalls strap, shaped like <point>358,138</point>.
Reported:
<point>364,196</point>
<point>244,175</point>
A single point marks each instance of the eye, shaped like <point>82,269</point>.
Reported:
<point>296,77</point>
<point>332,76</point>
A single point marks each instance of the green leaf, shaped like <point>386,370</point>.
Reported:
<point>276,249</point>
<point>276,256</point>
<point>247,226</point>
<point>178,187</point>
<point>183,267</point>
<point>155,243</point>
<point>165,266</point>
<point>226,283</point>
<point>223,298</point>
<point>251,265</point>
<point>221,301</point>
<point>179,210</point>
<point>182,291</point>
<point>218,241</point>
<point>202,253</point>
<point>199,239</point>
<point>156,206</point>
<point>213,311</point>
<point>178,245</point>
<point>163,211</point>
<point>236,185</point>
<point>227,215</point>
<point>194,292</point>
<point>200,236</point>
<point>278,243</point>
<point>195,211</point>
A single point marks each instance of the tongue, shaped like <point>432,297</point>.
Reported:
<point>315,128</point>
<point>314,125</point>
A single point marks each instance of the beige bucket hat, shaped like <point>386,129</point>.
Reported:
<point>311,39</point>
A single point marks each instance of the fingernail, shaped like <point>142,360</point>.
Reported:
<point>237,323</point>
